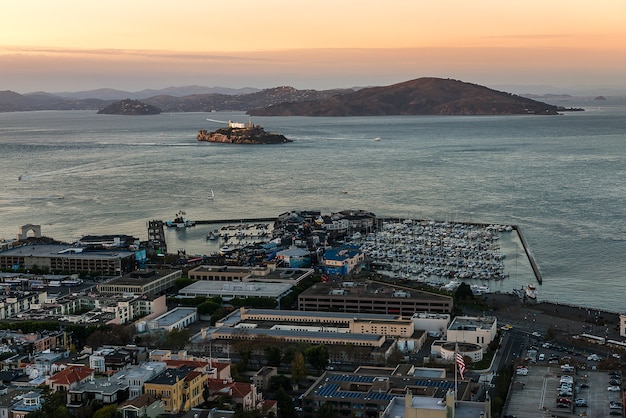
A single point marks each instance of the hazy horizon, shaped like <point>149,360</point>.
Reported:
<point>76,46</point>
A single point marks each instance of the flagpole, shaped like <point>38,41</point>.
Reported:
<point>456,366</point>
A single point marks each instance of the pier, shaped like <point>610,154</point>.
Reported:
<point>232,221</point>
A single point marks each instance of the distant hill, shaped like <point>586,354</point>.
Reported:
<point>11,101</point>
<point>130,107</point>
<point>423,96</point>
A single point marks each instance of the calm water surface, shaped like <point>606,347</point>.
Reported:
<point>561,179</point>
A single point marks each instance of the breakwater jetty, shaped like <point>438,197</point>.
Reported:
<point>530,257</point>
<point>233,221</point>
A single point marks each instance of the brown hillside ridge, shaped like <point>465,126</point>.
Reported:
<point>423,96</point>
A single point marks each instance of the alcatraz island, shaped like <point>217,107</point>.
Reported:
<point>242,133</point>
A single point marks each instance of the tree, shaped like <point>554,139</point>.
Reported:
<point>463,292</point>
<point>298,367</point>
<point>286,407</point>
<point>279,381</point>
<point>317,356</point>
<point>273,355</point>
<point>53,405</point>
<point>108,411</point>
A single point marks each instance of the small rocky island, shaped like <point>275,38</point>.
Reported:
<point>130,107</point>
<point>242,133</point>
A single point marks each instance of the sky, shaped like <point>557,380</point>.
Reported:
<point>76,45</point>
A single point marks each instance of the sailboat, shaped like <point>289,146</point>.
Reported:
<point>211,195</point>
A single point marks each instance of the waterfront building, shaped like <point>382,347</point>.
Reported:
<point>343,260</point>
<point>622,325</point>
<point>67,258</point>
<point>231,290</point>
<point>266,272</point>
<point>436,324</point>
<point>373,297</point>
<point>141,282</point>
<point>474,330</point>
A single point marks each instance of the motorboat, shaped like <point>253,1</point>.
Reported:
<point>531,291</point>
<point>211,195</point>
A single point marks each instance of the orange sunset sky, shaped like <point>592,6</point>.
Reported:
<point>70,45</point>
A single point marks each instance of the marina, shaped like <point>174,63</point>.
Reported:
<point>441,254</point>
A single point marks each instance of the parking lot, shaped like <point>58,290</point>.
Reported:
<point>536,393</point>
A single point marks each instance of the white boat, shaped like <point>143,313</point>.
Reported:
<point>180,221</point>
<point>377,138</point>
<point>531,291</point>
<point>211,195</point>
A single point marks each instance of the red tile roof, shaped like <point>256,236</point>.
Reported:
<point>71,375</point>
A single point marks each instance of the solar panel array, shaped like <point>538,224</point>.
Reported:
<point>332,389</point>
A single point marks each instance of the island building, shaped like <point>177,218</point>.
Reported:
<point>372,296</point>
<point>622,325</point>
<point>67,258</point>
<point>403,391</point>
<point>141,282</point>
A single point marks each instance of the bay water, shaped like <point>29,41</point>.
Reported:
<point>562,179</point>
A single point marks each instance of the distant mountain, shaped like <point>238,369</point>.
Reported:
<point>112,94</point>
<point>11,101</point>
<point>423,96</point>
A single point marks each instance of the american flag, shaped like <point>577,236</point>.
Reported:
<point>460,363</point>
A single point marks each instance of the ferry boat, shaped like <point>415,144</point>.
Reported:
<point>531,291</point>
<point>180,221</point>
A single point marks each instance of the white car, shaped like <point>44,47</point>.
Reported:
<point>613,388</point>
<point>593,357</point>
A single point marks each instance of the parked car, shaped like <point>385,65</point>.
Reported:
<point>615,405</point>
<point>613,389</point>
<point>580,402</point>
<point>593,357</point>
<point>614,382</point>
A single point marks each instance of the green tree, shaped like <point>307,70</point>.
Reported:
<point>208,308</point>
<point>286,407</point>
<point>108,411</point>
<point>176,339</point>
<point>298,367</point>
<point>273,355</point>
<point>279,381</point>
<point>463,292</point>
<point>317,356</point>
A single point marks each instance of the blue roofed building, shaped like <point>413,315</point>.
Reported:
<point>343,260</point>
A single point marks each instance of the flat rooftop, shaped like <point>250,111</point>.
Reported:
<point>323,314</point>
<point>263,289</point>
<point>139,278</point>
<point>56,250</point>
<point>461,323</point>
<point>370,289</point>
<point>174,316</point>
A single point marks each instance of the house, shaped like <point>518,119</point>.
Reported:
<point>180,389</point>
<point>107,390</point>
<point>244,394</point>
<point>29,402</point>
<point>69,378</point>
<point>146,405</point>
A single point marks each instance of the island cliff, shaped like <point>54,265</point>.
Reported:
<point>239,133</point>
